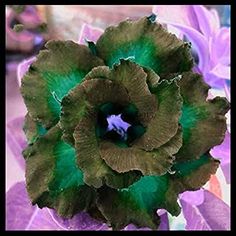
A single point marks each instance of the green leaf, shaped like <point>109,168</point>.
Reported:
<point>203,121</point>
<point>146,43</point>
<point>57,69</point>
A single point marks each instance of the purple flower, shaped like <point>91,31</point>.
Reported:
<point>26,40</point>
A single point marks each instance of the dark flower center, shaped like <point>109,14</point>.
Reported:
<point>118,124</point>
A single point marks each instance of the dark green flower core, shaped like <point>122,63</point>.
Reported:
<point>119,130</point>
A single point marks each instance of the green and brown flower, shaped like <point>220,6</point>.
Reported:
<point>119,129</point>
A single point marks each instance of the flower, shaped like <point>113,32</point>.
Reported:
<point>120,128</point>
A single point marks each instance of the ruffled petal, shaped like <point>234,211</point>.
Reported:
<point>135,80</point>
<point>96,172</point>
<point>60,185</point>
<point>85,96</point>
<point>138,203</point>
<point>165,123</point>
<point>56,70</point>
<point>203,122</point>
<point>147,43</point>
<point>157,162</point>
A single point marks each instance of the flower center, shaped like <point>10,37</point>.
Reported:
<point>118,124</point>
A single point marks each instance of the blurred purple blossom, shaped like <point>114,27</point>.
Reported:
<point>26,40</point>
<point>212,214</point>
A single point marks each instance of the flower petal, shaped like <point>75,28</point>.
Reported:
<point>203,122</point>
<point>157,162</point>
<point>180,14</point>
<point>138,203</point>
<point>199,43</point>
<point>16,139</point>
<point>165,123</point>
<point>221,71</point>
<point>212,214</point>
<point>206,20</point>
<point>134,79</point>
<point>81,221</point>
<point>193,197</point>
<point>21,215</point>
<point>220,47</point>
<point>60,185</point>
<point>95,170</point>
<point>54,73</point>
<point>222,151</point>
<point>87,95</point>
<point>146,43</point>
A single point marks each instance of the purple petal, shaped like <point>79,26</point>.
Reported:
<point>164,222</point>
<point>193,197</point>
<point>222,151</point>
<point>177,14</point>
<point>220,47</point>
<point>16,139</point>
<point>227,172</point>
<point>212,214</point>
<point>207,20</point>
<point>81,221</point>
<point>221,71</point>
<point>21,215</point>
<point>89,33</point>
<point>23,68</point>
<point>227,91</point>
<point>214,81</point>
<point>132,227</point>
